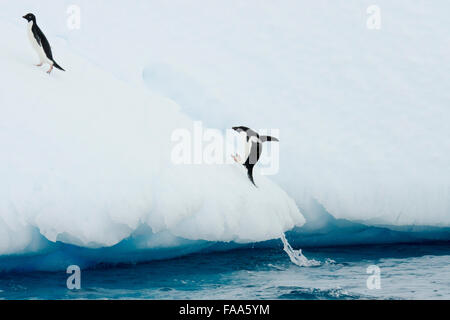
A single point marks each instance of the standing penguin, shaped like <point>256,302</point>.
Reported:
<point>40,43</point>
<point>253,149</point>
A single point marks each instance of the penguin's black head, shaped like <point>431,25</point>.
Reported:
<point>29,17</point>
<point>240,129</point>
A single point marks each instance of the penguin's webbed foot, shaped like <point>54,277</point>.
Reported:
<point>236,158</point>
<point>50,70</point>
<point>39,65</point>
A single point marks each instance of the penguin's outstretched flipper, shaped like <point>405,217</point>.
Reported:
<point>267,138</point>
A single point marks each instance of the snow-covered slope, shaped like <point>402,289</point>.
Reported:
<point>362,114</point>
<point>86,159</point>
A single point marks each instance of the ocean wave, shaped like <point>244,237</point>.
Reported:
<point>298,293</point>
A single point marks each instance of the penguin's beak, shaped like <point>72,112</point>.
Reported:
<point>24,17</point>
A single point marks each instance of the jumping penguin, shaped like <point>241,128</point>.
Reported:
<point>40,43</point>
<point>253,149</point>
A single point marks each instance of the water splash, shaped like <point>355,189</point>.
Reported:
<point>297,256</point>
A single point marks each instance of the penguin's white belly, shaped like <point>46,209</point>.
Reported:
<point>248,147</point>
<point>39,50</point>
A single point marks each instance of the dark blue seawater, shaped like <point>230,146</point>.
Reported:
<point>406,272</point>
